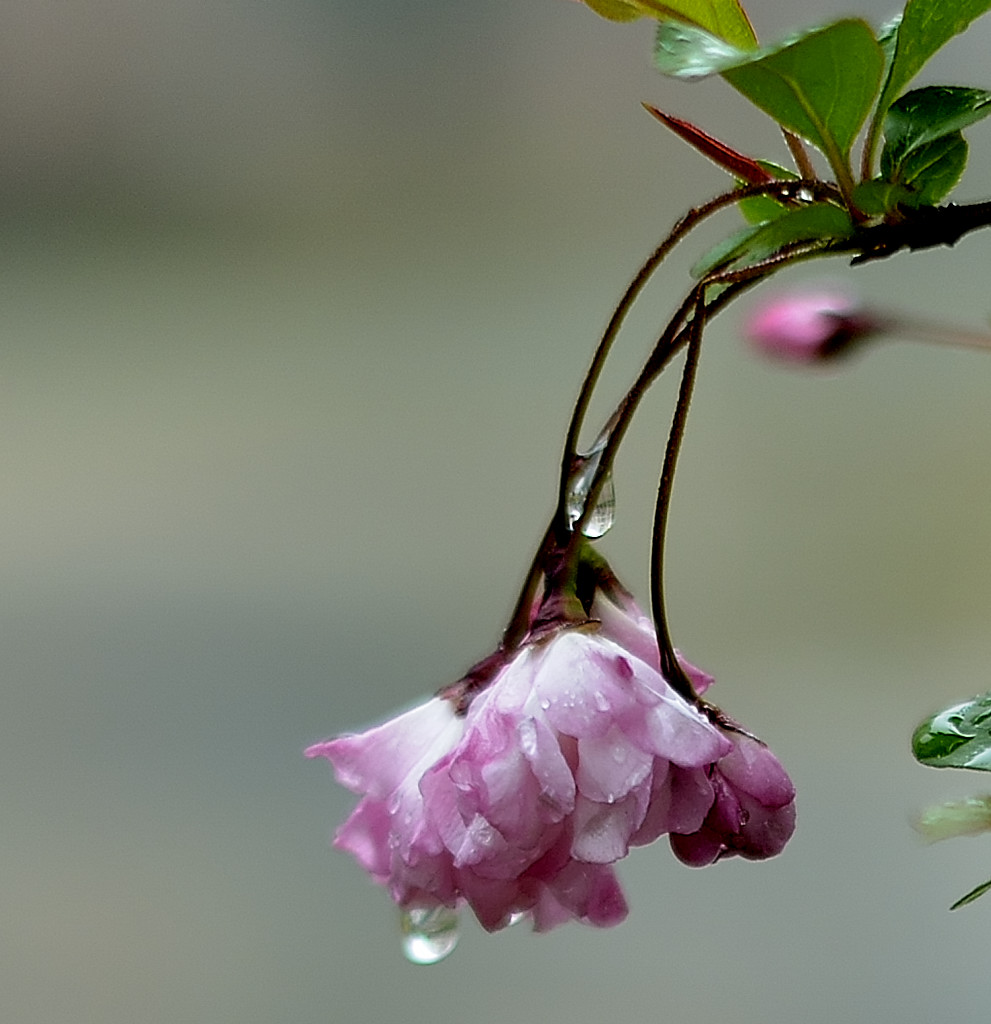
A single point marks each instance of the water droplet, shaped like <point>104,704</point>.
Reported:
<point>429,933</point>
<point>942,734</point>
<point>527,732</point>
<point>515,918</point>
<point>603,515</point>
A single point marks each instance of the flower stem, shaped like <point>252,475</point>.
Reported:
<point>778,189</point>
<point>670,667</point>
<point>560,538</point>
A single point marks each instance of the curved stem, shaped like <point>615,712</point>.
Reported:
<point>558,534</point>
<point>870,144</point>
<point>617,425</point>
<point>671,669</point>
<point>519,621</point>
<point>778,189</point>
<point>674,336</point>
<point>799,154</point>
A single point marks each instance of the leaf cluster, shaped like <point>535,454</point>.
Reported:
<point>829,86</point>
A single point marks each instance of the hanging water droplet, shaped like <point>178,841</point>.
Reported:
<point>603,515</point>
<point>515,918</point>
<point>429,933</point>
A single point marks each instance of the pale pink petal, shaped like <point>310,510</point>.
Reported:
<point>610,766</point>
<point>542,750</point>
<point>377,761</point>
<point>602,831</point>
<point>629,628</point>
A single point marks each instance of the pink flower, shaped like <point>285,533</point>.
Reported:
<point>809,327</point>
<point>753,810</point>
<point>576,750</point>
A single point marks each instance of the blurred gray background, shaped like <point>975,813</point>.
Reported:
<point>295,300</point>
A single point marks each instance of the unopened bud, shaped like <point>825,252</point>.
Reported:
<point>810,327</point>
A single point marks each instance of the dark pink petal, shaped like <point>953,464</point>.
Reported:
<point>766,831</point>
<point>365,835</point>
<point>590,892</point>
<point>697,850</point>
<point>679,802</point>
<point>752,768</point>
<point>494,901</point>
<point>753,814</point>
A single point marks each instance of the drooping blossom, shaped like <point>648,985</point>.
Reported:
<point>810,327</point>
<point>577,749</point>
<point>574,751</point>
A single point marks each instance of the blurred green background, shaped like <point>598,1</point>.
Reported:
<point>295,300</point>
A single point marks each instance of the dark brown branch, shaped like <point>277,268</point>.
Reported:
<point>922,228</point>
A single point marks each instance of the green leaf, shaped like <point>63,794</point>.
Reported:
<point>925,27</point>
<point>955,818</point>
<point>959,737</point>
<point>761,209</point>
<point>934,170</point>
<point>924,115</point>
<point>972,895</point>
<point>724,252</point>
<point>820,86</point>
<point>684,51</point>
<point>616,10</point>
<point>887,38</point>
<point>724,19</point>
<point>878,197</point>
<point>753,243</point>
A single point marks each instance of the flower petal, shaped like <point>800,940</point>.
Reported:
<point>377,761</point>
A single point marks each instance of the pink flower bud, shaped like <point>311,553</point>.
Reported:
<point>753,810</point>
<point>809,327</point>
